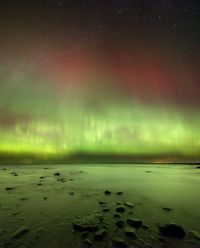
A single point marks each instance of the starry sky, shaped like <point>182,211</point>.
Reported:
<point>100,76</point>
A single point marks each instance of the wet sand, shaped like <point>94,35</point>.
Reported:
<point>39,204</point>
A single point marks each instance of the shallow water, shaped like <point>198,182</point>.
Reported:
<point>150,187</point>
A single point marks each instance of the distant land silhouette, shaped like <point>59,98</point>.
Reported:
<point>85,157</point>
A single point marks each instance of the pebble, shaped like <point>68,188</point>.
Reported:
<point>195,234</point>
<point>62,180</point>
<point>130,232</point>
<point>134,222</point>
<point>167,209</point>
<point>145,226</point>
<point>15,213</point>
<point>87,243</point>
<point>20,232</point>
<point>119,243</point>
<point>100,234</point>
<point>85,234</point>
<point>120,223</point>
<point>2,231</point>
<point>119,193</point>
<point>14,173</point>
<point>107,192</point>
<point>105,209</point>
<point>129,204</point>
<point>57,174</point>
<point>120,209</point>
<point>10,188</point>
<point>117,215</point>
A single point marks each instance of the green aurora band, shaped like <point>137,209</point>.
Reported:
<point>41,122</point>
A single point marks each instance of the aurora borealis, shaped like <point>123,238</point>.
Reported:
<point>117,77</point>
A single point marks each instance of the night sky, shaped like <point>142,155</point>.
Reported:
<point>100,76</point>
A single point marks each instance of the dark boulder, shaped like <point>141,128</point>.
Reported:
<point>120,209</point>
<point>172,231</point>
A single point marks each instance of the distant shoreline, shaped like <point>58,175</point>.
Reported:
<point>98,158</point>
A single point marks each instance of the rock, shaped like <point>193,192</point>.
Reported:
<point>57,174</point>
<point>119,193</point>
<point>21,218</point>
<point>152,238</point>
<point>172,231</point>
<point>100,234</point>
<point>20,232</point>
<point>195,234</point>
<point>107,192</point>
<point>10,188</point>
<point>62,180</point>
<point>167,209</point>
<point>85,234</point>
<point>120,209</point>
<point>129,204</point>
<point>119,243</point>
<point>36,237</point>
<point>117,215</point>
<point>87,243</point>
<point>130,232</point>
<point>120,223</point>
<point>15,213</point>
<point>23,199</point>
<point>88,223</point>
<point>40,229</point>
<point>2,231</point>
<point>134,222</point>
<point>105,209</point>
<point>105,225</point>
<point>14,173</point>
<point>145,226</point>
